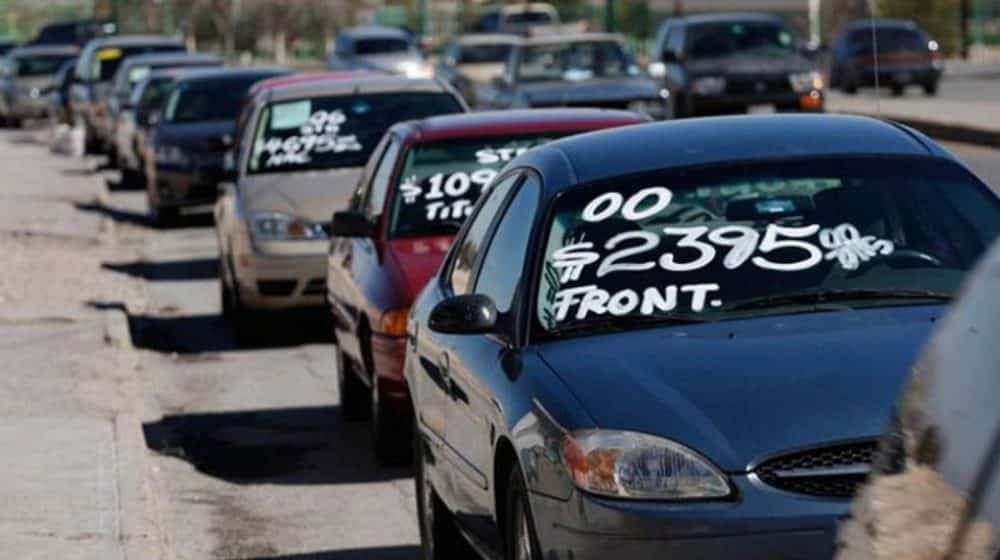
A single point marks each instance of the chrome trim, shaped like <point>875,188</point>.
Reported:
<point>846,470</point>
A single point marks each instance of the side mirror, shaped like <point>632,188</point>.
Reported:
<point>349,223</point>
<point>467,314</point>
<point>229,166</point>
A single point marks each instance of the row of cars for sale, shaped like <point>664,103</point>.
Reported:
<point>601,336</point>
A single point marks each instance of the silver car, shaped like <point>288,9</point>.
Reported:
<point>379,48</point>
<point>28,75</point>
<point>299,157</point>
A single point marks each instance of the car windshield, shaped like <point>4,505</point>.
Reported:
<point>723,39</point>
<point>574,62</point>
<point>441,181</point>
<point>210,99</point>
<point>484,54</point>
<point>741,240</point>
<point>335,131</point>
<point>108,60</point>
<point>154,92</point>
<point>889,39</point>
<point>42,65</point>
<point>380,46</point>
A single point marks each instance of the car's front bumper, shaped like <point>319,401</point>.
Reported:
<point>272,280</point>
<point>26,107</point>
<point>738,103</point>
<point>186,186</point>
<point>901,74</point>
<point>760,524</point>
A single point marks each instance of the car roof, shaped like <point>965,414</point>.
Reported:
<point>374,32</point>
<point>490,123</point>
<point>723,17</point>
<point>134,41</point>
<point>292,79</point>
<point>206,74</point>
<point>572,38</point>
<point>488,39</point>
<point>170,57</point>
<point>370,83</point>
<point>882,22</point>
<point>44,50</point>
<point>592,157</point>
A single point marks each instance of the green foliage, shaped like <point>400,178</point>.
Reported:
<point>940,18</point>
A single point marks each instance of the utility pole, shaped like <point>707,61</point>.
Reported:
<point>815,27</point>
<point>610,21</point>
<point>963,18</point>
<point>422,19</point>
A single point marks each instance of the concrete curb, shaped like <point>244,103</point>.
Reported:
<point>948,132</point>
<point>106,226</point>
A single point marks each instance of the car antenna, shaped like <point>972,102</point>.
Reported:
<point>878,89</point>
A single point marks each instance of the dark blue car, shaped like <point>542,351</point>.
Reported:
<point>682,340</point>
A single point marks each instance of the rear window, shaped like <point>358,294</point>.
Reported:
<point>209,99</point>
<point>41,65</point>
<point>481,54</point>
<point>736,241</point>
<point>153,93</point>
<point>107,60</point>
<point>335,131</point>
<point>889,40</point>
<point>441,181</point>
<point>380,46</point>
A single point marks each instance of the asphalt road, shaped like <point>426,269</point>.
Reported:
<point>250,458</point>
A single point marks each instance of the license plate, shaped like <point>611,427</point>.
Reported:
<point>763,109</point>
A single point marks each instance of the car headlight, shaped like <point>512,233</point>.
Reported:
<point>709,85</point>
<point>631,465</point>
<point>416,70</point>
<point>275,226</point>
<point>655,108</point>
<point>657,69</point>
<point>804,82</point>
<point>172,155</point>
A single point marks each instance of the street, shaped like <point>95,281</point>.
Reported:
<point>192,446</point>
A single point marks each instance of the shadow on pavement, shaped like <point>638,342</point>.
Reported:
<point>189,335</point>
<point>375,553</point>
<point>122,216</point>
<point>289,446</point>
<point>165,271</point>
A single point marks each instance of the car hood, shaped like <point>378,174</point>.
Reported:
<point>313,195</point>
<point>40,82</point>
<point>568,93</point>
<point>749,65</point>
<point>416,260</point>
<point>194,136</point>
<point>740,391</point>
<point>395,63</point>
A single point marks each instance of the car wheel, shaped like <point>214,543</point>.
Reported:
<point>131,179</point>
<point>931,88</point>
<point>520,541</point>
<point>439,537</point>
<point>390,431</point>
<point>164,217</point>
<point>353,394</point>
<point>226,296</point>
<point>898,90</point>
<point>849,84</point>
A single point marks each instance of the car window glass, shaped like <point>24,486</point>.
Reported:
<point>500,273</point>
<point>472,243</point>
<point>675,41</point>
<point>722,39</point>
<point>380,182</point>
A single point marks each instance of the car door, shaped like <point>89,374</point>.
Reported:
<point>480,365</point>
<point>432,386</point>
<point>672,56</point>
<point>355,260</point>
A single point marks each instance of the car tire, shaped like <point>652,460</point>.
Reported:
<point>226,297</point>
<point>931,88</point>
<point>164,217</point>
<point>354,395</point>
<point>390,431</point>
<point>440,539</point>
<point>520,540</point>
<point>131,179</point>
<point>898,90</point>
<point>848,84</point>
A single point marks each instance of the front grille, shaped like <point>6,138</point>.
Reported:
<point>315,287</point>
<point>834,472</point>
<point>276,288</point>
<point>755,86</point>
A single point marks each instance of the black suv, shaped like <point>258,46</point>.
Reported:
<point>734,63</point>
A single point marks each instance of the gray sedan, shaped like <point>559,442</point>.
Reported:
<point>28,75</point>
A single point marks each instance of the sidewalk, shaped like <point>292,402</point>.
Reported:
<point>73,461</point>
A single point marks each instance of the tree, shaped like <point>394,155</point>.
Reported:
<point>223,16</point>
<point>940,18</point>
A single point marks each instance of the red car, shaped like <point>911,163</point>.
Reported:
<point>419,185</point>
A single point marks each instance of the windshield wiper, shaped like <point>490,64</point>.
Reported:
<point>625,323</point>
<point>828,296</point>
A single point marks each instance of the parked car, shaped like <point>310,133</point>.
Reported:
<point>7,45</point>
<point>473,61</point>
<point>132,70</point>
<point>580,70</point>
<point>379,48</point>
<point>135,119</point>
<point>516,18</point>
<point>74,32</point>
<point>29,75</point>
<point>934,491</point>
<point>186,148</point>
<point>735,63</point>
<point>96,67</point>
<point>414,195</point>
<point>299,159</point>
<point>58,98</point>
<point>906,56</point>
<point>676,339</point>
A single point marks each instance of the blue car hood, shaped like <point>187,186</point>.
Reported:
<point>740,391</point>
